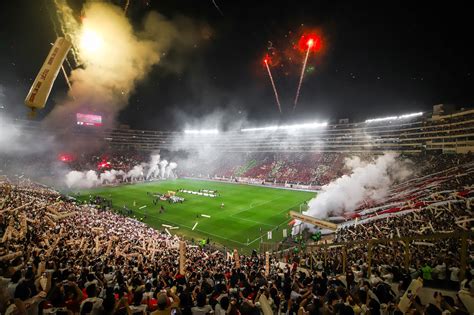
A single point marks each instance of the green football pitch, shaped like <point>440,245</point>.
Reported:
<point>249,212</point>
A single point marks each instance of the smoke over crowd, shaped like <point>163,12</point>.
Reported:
<point>155,169</point>
<point>369,181</point>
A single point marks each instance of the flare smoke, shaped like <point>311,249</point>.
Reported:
<point>113,56</point>
<point>154,167</point>
<point>170,168</point>
<point>110,176</point>
<point>367,181</point>
<point>135,173</point>
<point>77,179</point>
<point>163,165</point>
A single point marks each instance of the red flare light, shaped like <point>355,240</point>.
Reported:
<point>267,60</point>
<point>103,164</point>
<point>309,41</point>
<point>65,157</point>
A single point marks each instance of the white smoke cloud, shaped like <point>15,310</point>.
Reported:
<point>367,181</point>
<point>76,179</point>
<point>203,154</point>
<point>110,176</point>
<point>91,177</point>
<point>135,173</point>
<point>16,139</point>
<point>163,165</point>
<point>73,179</point>
<point>169,170</point>
<point>154,167</point>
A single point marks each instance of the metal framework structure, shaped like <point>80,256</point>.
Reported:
<point>308,219</point>
<point>463,236</point>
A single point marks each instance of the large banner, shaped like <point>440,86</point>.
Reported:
<point>39,91</point>
<point>236,259</point>
<point>182,257</point>
<point>409,295</point>
<point>267,264</point>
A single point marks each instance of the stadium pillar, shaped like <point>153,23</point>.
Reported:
<point>462,272</point>
<point>407,255</point>
<point>369,260</point>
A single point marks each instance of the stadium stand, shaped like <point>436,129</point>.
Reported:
<point>447,133</point>
<point>58,256</point>
<point>435,131</point>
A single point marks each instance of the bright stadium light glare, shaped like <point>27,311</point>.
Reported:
<point>270,128</point>
<point>287,127</point>
<point>381,119</point>
<point>394,117</point>
<point>201,131</point>
<point>410,115</point>
<point>303,126</point>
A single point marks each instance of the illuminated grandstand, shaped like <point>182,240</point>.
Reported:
<point>447,133</point>
<point>452,133</point>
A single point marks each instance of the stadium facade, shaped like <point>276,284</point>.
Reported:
<point>446,133</point>
<point>440,131</point>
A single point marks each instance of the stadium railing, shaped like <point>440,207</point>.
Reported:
<point>463,236</point>
<point>281,249</point>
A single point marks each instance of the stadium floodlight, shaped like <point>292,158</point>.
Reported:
<point>303,126</point>
<point>287,127</point>
<point>381,119</point>
<point>394,117</point>
<point>201,131</point>
<point>410,115</point>
<point>270,128</point>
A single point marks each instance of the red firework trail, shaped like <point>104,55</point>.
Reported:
<point>265,61</point>
<point>310,44</point>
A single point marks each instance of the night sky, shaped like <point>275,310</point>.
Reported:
<point>377,59</point>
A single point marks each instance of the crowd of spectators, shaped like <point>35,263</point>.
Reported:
<point>63,258</point>
<point>118,160</point>
<point>60,257</point>
<point>290,168</point>
<point>315,169</point>
<point>441,256</point>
